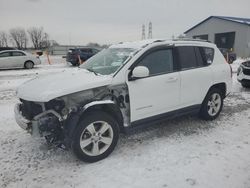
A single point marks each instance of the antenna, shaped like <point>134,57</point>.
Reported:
<point>143,36</point>
<point>150,30</point>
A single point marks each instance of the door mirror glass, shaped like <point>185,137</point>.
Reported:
<point>140,72</point>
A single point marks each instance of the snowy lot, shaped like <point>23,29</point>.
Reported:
<point>187,152</point>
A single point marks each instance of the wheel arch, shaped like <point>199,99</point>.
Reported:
<point>221,86</point>
<point>106,106</point>
<point>74,118</point>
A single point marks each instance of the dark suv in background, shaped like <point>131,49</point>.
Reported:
<point>84,53</point>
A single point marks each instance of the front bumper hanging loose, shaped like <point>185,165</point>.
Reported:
<point>20,119</point>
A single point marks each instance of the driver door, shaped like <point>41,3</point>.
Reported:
<point>159,92</point>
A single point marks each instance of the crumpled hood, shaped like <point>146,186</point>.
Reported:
<point>46,88</point>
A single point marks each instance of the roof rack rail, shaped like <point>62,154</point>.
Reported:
<point>159,40</point>
<point>191,39</point>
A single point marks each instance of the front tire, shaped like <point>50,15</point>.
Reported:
<point>28,65</point>
<point>212,105</point>
<point>95,137</point>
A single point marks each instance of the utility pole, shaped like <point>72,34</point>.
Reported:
<point>143,36</point>
<point>150,30</point>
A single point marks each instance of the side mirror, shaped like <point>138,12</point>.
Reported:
<point>139,72</point>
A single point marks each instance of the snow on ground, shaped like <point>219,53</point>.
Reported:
<point>187,152</point>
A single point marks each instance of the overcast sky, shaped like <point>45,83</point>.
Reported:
<point>110,21</point>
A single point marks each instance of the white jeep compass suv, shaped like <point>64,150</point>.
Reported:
<point>126,86</point>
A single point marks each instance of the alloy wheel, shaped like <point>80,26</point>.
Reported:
<point>214,104</point>
<point>96,138</point>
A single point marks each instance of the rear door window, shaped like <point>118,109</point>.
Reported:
<point>17,54</point>
<point>187,57</point>
<point>199,58</point>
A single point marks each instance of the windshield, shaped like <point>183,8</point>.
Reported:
<point>108,61</point>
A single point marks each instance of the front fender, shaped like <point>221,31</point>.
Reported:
<point>94,103</point>
<point>74,117</point>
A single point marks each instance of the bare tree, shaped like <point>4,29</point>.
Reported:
<point>19,37</point>
<point>3,39</point>
<point>39,38</point>
<point>45,43</point>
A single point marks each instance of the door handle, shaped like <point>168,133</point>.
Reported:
<point>172,79</point>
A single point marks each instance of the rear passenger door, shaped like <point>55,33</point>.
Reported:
<point>17,59</point>
<point>195,75</point>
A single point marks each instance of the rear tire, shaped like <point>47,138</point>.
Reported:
<point>28,65</point>
<point>95,137</point>
<point>212,105</point>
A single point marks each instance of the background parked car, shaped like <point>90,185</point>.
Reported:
<point>231,55</point>
<point>243,74</point>
<point>17,59</point>
<point>84,53</point>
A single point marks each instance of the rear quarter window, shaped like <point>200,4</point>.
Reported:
<point>207,55</point>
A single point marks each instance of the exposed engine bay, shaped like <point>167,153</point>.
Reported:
<point>50,119</point>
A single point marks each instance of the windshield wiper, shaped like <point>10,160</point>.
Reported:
<point>91,70</point>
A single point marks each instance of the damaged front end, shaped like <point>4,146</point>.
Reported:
<point>56,120</point>
<point>41,119</point>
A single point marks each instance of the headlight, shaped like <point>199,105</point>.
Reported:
<point>56,104</point>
